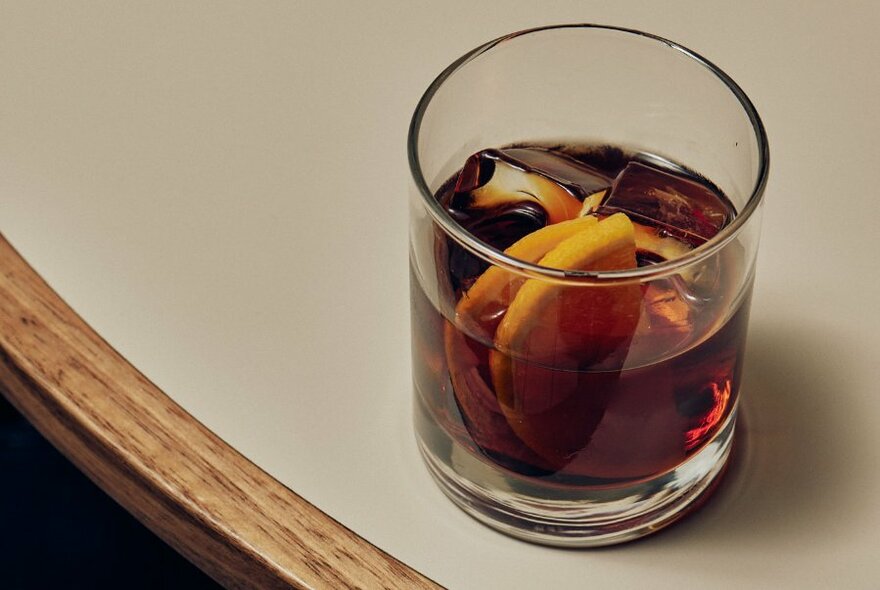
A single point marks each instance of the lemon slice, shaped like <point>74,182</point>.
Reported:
<point>551,331</point>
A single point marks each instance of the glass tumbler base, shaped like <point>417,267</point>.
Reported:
<point>574,517</point>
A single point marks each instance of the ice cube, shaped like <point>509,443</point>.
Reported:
<point>667,320</point>
<point>654,245</point>
<point>681,206</point>
<point>501,196</point>
<point>493,180</point>
<point>700,285</point>
<point>577,177</point>
<point>501,229</point>
<point>667,308</point>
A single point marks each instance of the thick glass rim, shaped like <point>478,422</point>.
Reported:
<point>499,258</point>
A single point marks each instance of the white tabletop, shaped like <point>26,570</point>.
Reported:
<point>220,188</point>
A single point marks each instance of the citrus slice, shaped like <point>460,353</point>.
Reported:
<point>605,312</point>
<point>592,202</point>
<point>467,344</point>
<point>555,340</point>
<point>482,306</point>
<point>483,419</point>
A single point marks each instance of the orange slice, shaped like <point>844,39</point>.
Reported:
<point>552,332</point>
<point>591,202</point>
<point>601,311</point>
<point>467,346</point>
<point>482,306</point>
<point>467,362</point>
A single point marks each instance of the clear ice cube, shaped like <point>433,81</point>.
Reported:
<point>578,178</point>
<point>684,208</point>
<point>502,195</point>
<point>495,181</point>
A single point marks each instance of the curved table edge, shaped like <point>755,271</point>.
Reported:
<point>225,514</point>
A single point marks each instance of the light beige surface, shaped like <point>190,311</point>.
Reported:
<point>219,188</point>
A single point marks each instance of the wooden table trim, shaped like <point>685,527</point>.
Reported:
<point>225,514</point>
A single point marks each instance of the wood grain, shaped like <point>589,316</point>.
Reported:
<point>201,496</point>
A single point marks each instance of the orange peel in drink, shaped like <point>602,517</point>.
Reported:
<point>552,331</point>
<point>482,306</point>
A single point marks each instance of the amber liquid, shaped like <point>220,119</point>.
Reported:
<point>660,401</point>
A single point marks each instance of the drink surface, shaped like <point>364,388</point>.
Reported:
<point>579,385</point>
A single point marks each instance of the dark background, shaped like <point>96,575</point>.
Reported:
<point>59,530</point>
